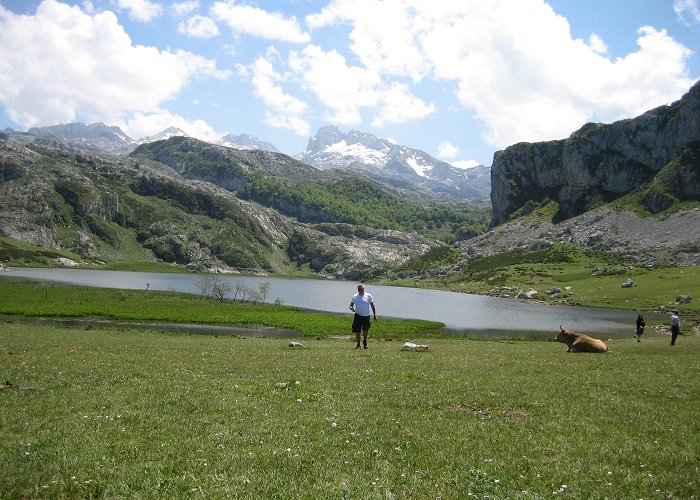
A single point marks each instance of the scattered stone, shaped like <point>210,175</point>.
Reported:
<point>65,261</point>
<point>663,330</point>
<point>410,346</point>
<point>553,290</point>
<point>629,283</point>
<point>295,344</point>
<point>527,295</point>
<point>683,299</point>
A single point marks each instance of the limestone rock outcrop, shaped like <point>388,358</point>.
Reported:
<point>601,162</point>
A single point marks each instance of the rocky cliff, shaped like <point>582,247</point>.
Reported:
<point>601,162</point>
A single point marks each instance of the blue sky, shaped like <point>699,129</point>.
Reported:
<point>457,79</point>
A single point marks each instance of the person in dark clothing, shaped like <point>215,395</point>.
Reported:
<point>640,327</point>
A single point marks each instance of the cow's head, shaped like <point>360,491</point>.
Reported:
<point>562,336</point>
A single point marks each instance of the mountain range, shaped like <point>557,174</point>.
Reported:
<point>400,166</point>
<point>352,205</point>
<point>330,148</point>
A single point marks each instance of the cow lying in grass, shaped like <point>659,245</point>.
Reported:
<point>578,342</point>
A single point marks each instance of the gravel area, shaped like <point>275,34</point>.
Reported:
<point>655,240</point>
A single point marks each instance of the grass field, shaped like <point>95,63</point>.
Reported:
<point>60,301</point>
<point>140,414</point>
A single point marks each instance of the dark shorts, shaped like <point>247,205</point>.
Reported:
<point>360,323</point>
<point>640,330</point>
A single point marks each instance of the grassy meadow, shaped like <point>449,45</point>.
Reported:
<point>35,299</point>
<point>116,413</point>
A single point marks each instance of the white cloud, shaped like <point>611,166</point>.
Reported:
<point>400,106</point>
<point>513,63</point>
<point>465,164</point>
<point>285,111</point>
<point>447,150</point>
<point>199,27</point>
<point>61,65</point>
<point>346,90</point>
<point>597,44</point>
<point>253,21</point>
<point>687,11</point>
<point>146,124</point>
<point>384,35</point>
<point>184,8</point>
<point>342,89</point>
<point>141,10</point>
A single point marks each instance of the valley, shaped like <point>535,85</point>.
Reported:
<point>620,200</point>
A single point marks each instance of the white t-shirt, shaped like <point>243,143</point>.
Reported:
<point>675,320</point>
<point>362,303</point>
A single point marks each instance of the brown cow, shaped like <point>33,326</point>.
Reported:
<point>578,342</point>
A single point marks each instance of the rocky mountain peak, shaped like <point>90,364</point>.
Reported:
<point>330,148</point>
<point>164,135</point>
<point>246,141</point>
<point>97,137</point>
<point>326,136</point>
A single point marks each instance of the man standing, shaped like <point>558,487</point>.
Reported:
<point>360,304</point>
<point>675,327</point>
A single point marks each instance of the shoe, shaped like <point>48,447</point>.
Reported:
<point>358,346</point>
<point>365,345</point>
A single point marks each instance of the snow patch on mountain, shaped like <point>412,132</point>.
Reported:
<point>164,135</point>
<point>358,153</point>
<point>420,167</point>
<point>331,148</point>
<point>245,141</point>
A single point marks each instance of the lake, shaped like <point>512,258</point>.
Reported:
<point>474,315</point>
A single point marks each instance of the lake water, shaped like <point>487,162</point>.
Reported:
<point>475,315</point>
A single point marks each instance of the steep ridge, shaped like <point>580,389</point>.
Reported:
<point>599,163</point>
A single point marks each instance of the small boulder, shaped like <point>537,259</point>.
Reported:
<point>553,290</point>
<point>410,346</point>
<point>683,299</point>
<point>295,344</point>
<point>629,283</point>
<point>526,295</point>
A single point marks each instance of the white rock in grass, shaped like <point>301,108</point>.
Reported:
<point>410,346</point>
<point>295,344</point>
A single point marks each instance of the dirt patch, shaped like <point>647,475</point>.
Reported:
<point>9,385</point>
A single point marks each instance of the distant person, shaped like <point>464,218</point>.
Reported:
<point>640,327</point>
<point>360,304</point>
<point>675,327</point>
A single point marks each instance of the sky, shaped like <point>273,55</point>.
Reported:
<point>458,79</point>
